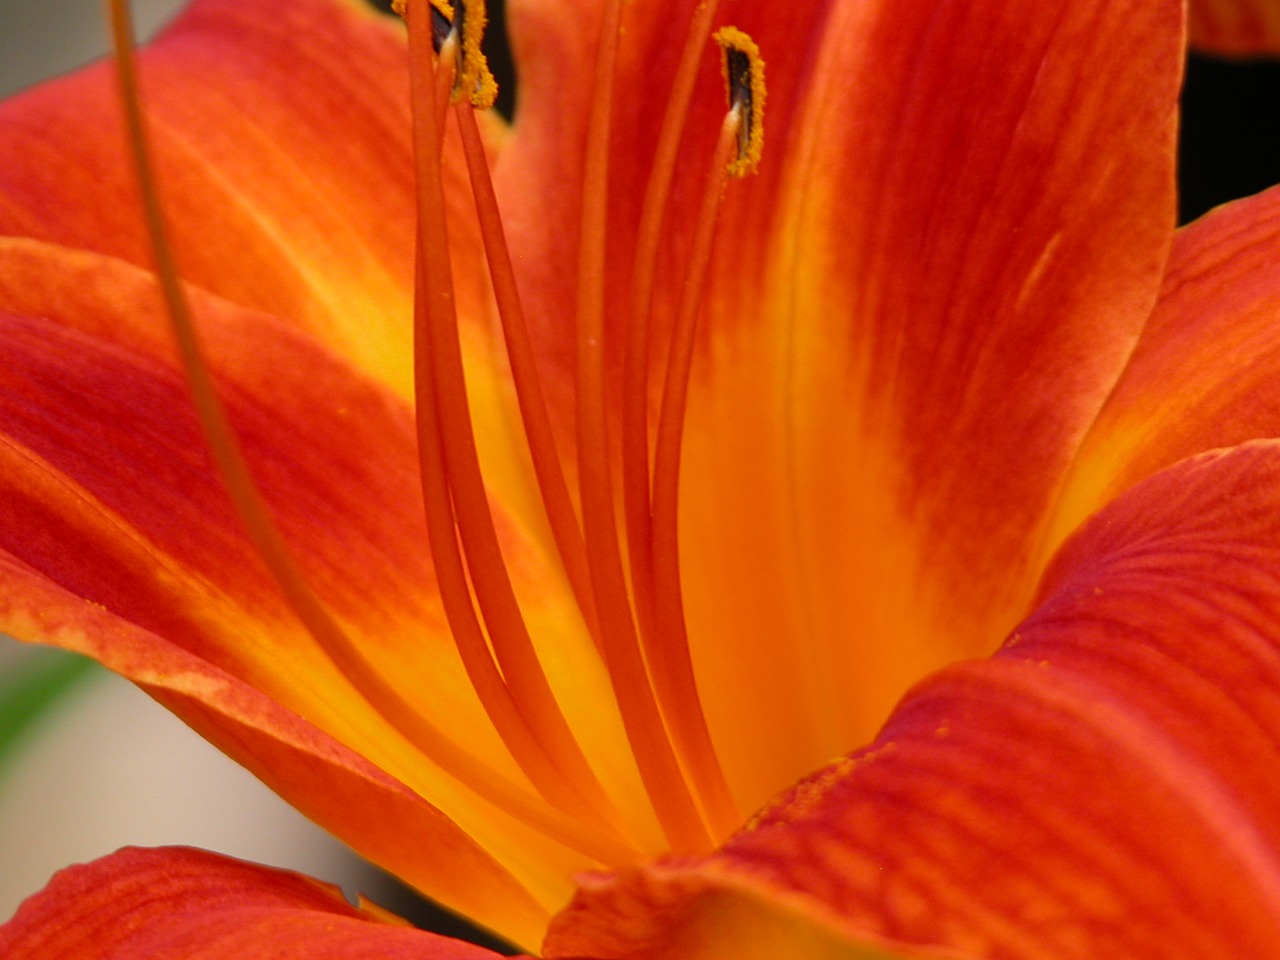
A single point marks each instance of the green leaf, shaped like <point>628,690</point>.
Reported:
<point>29,689</point>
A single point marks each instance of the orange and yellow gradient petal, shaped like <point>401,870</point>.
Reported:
<point>97,417</point>
<point>1102,786</point>
<point>911,315</point>
<point>183,904</point>
<point>272,204</point>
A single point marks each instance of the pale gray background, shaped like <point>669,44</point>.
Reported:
<point>42,38</point>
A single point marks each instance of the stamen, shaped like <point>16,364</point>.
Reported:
<point>472,646</point>
<point>659,770</point>
<point>670,661</point>
<point>660,616</point>
<point>537,423</point>
<point>444,424</point>
<point>635,390</point>
<point>247,500</point>
<point>524,372</point>
<point>466,19</point>
<point>744,76</point>
<point>441,20</point>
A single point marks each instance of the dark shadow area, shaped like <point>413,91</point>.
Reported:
<point>390,894</point>
<point>498,51</point>
<point>1230,139</point>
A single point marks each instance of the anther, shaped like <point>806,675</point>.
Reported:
<point>744,77</point>
<point>474,81</point>
<point>466,19</point>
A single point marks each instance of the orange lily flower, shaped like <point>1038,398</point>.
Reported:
<point>939,375</point>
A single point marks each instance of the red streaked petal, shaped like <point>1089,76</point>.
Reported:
<point>1235,26</point>
<point>176,903</point>
<point>110,500</point>
<point>1102,787</point>
<point>966,244</point>
<point>705,913</point>
<point>1206,372</point>
<point>282,134</point>
<point>334,786</point>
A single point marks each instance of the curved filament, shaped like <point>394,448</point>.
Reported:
<point>646,733</point>
<point>670,663</point>
<point>328,634</point>
<point>451,471</point>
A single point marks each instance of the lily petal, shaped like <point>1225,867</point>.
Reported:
<point>93,410</point>
<point>176,903</point>
<point>343,792</point>
<point>272,204</point>
<point>939,271</point>
<point>1104,786</point>
<point>677,913</point>
<point>1235,26</point>
<point>1206,373</point>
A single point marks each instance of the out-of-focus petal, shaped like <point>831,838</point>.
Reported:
<point>176,903</point>
<point>956,233</point>
<point>112,510</point>
<point>282,133</point>
<point>1235,26</point>
<point>1102,787</point>
<point>1206,372</point>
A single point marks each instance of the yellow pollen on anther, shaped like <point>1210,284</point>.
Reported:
<point>744,79</point>
<point>467,20</point>
<point>474,81</point>
<point>441,19</point>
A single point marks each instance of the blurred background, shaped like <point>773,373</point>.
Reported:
<point>103,766</point>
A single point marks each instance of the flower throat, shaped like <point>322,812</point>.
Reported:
<point>631,605</point>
